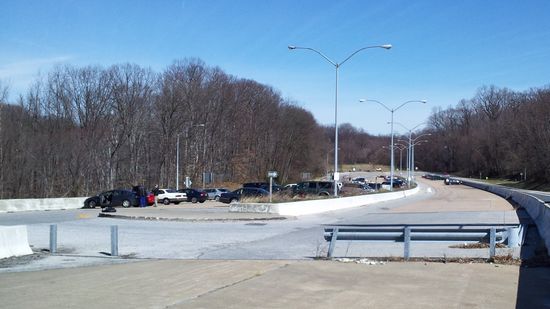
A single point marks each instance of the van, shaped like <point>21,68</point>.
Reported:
<point>324,188</point>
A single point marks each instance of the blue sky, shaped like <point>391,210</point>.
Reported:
<point>442,50</point>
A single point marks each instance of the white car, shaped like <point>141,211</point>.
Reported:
<point>167,196</point>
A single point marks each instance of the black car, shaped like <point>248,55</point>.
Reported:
<point>236,195</point>
<point>124,198</point>
<point>194,196</point>
<point>263,185</point>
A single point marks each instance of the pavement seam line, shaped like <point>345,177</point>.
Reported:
<point>181,302</point>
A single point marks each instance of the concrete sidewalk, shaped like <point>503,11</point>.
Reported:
<point>277,284</point>
<point>208,211</point>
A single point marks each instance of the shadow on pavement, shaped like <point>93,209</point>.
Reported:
<point>534,273</point>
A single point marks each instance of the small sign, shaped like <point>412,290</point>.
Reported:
<point>272,174</point>
<point>336,176</point>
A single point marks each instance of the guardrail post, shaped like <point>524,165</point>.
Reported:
<point>114,240</point>
<point>332,243</point>
<point>407,242</point>
<point>492,242</point>
<point>53,238</point>
<point>513,237</point>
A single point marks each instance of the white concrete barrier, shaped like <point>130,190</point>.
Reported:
<point>537,209</point>
<point>14,241</point>
<point>299,208</point>
<point>15,205</point>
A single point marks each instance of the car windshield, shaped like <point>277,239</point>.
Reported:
<point>171,191</point>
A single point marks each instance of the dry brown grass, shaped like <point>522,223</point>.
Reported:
<point>476,245</point>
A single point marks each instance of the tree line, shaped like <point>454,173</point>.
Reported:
<point>497,133</point>
<point>80,130</point>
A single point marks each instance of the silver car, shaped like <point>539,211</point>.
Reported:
<point>215,193</point>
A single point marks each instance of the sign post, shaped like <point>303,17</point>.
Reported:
<point>188,182</point>
<point>271,175</point>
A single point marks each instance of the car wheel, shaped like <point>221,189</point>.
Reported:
<point>166,201</point>
<point>193,200</point>
<point>323,194</point>
<point>233,200</point>
<point>126,203</point>
<point>201,202</point>
<point>91,204</point>
<point>217,198</point>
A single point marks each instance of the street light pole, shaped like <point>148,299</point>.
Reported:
<point>178,153</point>
<point>415,141</point>
<point>401,147</point>
<point>392,111</point>
<point>409,149</point>
<point>177,161</point>
<point>336,67</point>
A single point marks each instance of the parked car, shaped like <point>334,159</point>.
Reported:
<point>324,188</point>
<point>150,198</point>
<point>359,180</point>
<point>167,196</point>
<point>289,187</point>
<point>397,183</point>
<point>263,185</point>
<point>194,196</point>
<point>452,181</point>
<point>237,195</point>
<point>215,193</point>
<point>124,198</point>
<point>368,188</point>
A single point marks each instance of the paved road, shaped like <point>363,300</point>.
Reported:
<point>82,233</point>
<point>264,263</point>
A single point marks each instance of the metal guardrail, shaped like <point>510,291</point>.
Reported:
<point>491,233</point>
<point>114,239</point>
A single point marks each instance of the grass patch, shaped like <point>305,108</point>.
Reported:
<point>538,186</point>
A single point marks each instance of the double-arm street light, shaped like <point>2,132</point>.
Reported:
<point>337,66</point>
<point>401,147</point>
<point>178,153</point>
<point>409,152</point>
<point>416,141</point>
<point>392,110</point>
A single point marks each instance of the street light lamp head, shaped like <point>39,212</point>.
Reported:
<point>362,100</point>
<point>424,101</point>
<point>386,46</point>
<point>291,47</point>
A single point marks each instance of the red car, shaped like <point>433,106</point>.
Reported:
<point>150,199</point>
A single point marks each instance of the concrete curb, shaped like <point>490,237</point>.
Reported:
<point>149,218</point>
<point>14,241</point>
<point>300,208</point>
